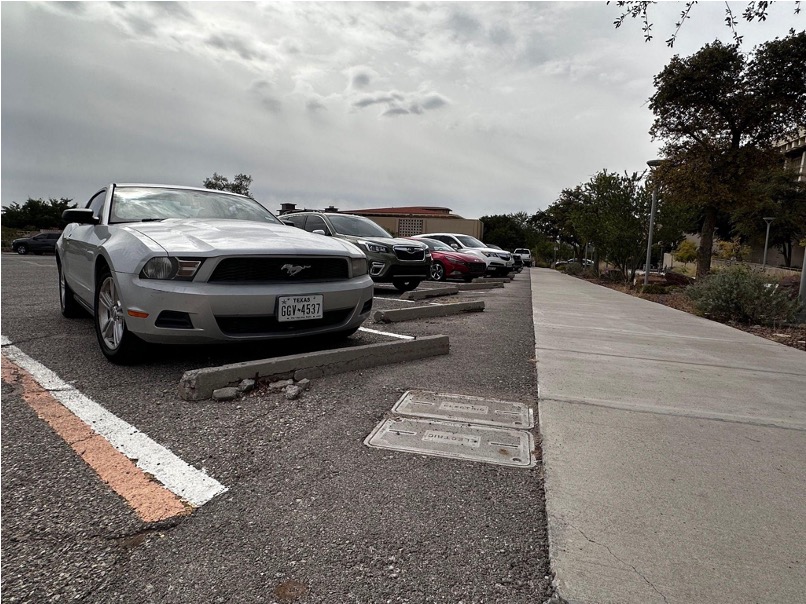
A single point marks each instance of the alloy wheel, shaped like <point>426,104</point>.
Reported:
<point>110,314</point>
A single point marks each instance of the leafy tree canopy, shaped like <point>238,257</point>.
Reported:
<point>240,184</point>
<point>36,214</point>
<point>720,113</point>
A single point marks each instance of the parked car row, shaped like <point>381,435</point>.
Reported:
<point>170,264</point>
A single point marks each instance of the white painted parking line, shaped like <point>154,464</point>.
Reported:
<point>386,333</point>
<point>190,484</point>
<point>394,299</point>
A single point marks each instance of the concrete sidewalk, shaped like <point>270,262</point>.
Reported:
<point>674,451</point>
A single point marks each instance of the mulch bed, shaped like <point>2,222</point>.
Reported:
<point>789,335</point>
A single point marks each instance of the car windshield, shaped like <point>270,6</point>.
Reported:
<point>521,250</point>
<point>435,246</point>
<point>469,241</point>
<point>143,204</point>
<point>357,226</point>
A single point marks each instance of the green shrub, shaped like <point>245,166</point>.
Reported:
<point>653,288</point>
<point>573,268</point>
<point>742,295</point>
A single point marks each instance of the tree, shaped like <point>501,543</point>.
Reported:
<point>780,196</point>
<point>685,252</point>
<point>612,215</point>
<point>240,184</point>
<point>753,11</point>
<point>36,214</point>
<point>720,114</point>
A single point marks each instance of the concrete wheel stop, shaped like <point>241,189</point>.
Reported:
<point>424,312</point>
<point>198,384</point>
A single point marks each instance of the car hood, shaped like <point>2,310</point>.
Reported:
<point>461,255</point>
<point>200,236</point>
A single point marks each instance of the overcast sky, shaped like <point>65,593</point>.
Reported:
<point>486,108</point>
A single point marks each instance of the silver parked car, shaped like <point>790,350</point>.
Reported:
<point>167,264</point>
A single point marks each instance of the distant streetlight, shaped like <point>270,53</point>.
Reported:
<point>768,220</point>
<point>652,163</point>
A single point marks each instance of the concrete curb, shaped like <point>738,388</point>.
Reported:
<point>419,312</point>
<point>475,286</point>
<point>422,294</point>
<point>492,280</point>
<point>198,384</point>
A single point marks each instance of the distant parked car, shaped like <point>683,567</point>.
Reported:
<point>496,260</point>
<point>447,263</point>
<point>402,262</point>
<point>525,254</point>
<point>511,258</point>
<point>167,264</point>
<point>43,242</point>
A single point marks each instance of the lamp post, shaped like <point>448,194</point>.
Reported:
<point>652,163</point>
<point>768,220</point>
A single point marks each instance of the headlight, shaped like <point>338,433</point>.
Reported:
<point>456,260</point>
<point>490,254</point>
<point>165,267</point>
<point>359,266</point>
<point>374,247</point>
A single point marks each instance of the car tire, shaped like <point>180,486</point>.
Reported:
<point>437,272</point>
<point>405,285</point>
<point>67,303</point>
<point>22,250</point>
<point>117,343</point>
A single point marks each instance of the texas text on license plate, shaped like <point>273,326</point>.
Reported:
<point>299,308</point>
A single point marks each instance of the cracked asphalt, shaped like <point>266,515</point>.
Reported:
<point>311,515</point>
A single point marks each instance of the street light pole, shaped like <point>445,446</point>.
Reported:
<point>768,220</point>
<point>652,163</point>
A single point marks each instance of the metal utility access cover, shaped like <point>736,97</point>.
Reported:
<point>502,446</point>
<point>462,408</point>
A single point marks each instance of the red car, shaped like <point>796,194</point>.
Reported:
<point>447,263</point>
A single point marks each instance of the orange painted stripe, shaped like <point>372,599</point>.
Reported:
<point>149,499</point>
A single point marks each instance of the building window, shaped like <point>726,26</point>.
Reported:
<point>409,226</point>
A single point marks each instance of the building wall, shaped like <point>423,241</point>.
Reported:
<point>406,226</point>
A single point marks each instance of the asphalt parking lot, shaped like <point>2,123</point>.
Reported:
<point>310,514</point>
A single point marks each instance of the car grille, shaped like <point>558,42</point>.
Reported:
<point>266,270</point>
<point>406,252</point>
<point>241,326</point>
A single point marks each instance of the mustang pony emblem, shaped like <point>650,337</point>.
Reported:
<point>293,269</point>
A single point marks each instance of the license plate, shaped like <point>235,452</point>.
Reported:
<point>299,308</point>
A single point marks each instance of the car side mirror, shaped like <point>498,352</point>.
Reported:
<point>455,246</point>
<point>288,223</point>
<point>79,215</point>
<point>320,232</point>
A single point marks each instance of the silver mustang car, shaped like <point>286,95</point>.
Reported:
<point>169,264</point>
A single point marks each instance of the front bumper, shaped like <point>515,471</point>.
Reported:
<point>185,312</point>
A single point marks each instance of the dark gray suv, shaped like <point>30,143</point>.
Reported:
<point>402,262</point>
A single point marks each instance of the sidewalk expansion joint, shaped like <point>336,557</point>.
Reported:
<point>673,412</point>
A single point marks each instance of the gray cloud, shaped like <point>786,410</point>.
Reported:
<point>235,44</point>
<point>263,91</point>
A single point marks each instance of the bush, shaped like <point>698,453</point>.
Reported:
<point>614,275</point>
<point>742,295</point>
<point>573,268</point>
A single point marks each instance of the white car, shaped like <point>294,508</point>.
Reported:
<point>499,262</point>
<point>525,254</point>
<point>182,265</point>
